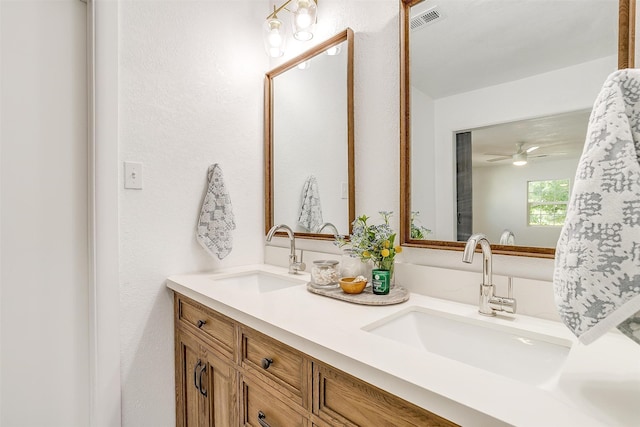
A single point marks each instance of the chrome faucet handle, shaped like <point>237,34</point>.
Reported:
<point>507,305</point>
<point>296,266</point>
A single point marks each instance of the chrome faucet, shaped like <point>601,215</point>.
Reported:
<point>295,266</point>
<point>507,237</point>
<point>489,303</point>
<point>331,226</point>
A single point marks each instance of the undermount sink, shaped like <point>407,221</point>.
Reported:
<point>258,282</point>
<point>525,356</point>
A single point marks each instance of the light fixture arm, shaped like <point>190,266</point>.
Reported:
<point>274,14</point>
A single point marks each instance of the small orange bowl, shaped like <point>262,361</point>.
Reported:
<point>350,286</point>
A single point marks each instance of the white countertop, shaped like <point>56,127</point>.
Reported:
<point>599,384</point>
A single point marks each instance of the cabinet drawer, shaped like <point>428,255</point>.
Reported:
<point>258,403</point>
<point>276,362</point>
<point>216,329</point>
<point>342,399</point>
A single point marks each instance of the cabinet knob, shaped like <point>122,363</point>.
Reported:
<point>266,362</point>
<point>201,323</point>
<point>261,421</point>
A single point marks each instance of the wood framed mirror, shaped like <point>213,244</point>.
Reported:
<point>476,74</point>
<point>309,141</point>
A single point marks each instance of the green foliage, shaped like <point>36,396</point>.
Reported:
<point>548,202</point>
<point>374,242</point>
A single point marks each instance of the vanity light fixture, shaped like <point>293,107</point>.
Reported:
<point>303,19</point>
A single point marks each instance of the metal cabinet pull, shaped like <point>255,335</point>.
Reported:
<point>261,421</point>
<point>202,371</point>
<point>266,362</point>
<point>195,375</point>
<point>201,323</point>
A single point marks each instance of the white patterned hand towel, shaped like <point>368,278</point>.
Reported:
<point>310,216</point>
<point>216,216</point>
<point>597,267</point>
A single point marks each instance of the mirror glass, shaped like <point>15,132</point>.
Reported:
<point>309,141</point>
<point>490,83</point>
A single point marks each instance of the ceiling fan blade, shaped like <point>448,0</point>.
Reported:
<point>530,149</point>
<point>497,159</point>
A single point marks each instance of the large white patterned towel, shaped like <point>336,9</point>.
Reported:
<point>216,216</point>
<point>310,216</point>
<point>597,268</point>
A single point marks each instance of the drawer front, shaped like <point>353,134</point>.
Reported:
<point>274,360</point>
<point>216,329</point>
<point>344,400</point>
<point>260,408</point>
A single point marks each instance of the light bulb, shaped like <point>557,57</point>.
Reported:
<point>333,50</point>
<point>303,19</point>
<point>274,38</point>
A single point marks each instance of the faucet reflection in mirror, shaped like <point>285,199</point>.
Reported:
<point>295,266</point>
<point>303,19</point>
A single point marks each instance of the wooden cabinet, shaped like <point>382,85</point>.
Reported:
<point>262,406</point>
<point>205,385</point>
<point>228,374</point>
<point>341,399</point>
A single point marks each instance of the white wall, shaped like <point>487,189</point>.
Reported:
<point>190,95</point>
<point>500,199</point>
<point>44,312</point>
<point>423,158</point>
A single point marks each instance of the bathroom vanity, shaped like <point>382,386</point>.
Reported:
<point>254,347</point>
<point>230,374</point>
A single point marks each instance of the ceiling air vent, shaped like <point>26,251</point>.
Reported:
<point>429,16</point>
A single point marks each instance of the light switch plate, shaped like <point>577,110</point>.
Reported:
<point>344,190</point>
<point>133,175</point>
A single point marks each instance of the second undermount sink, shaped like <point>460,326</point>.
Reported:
<point>257,281</point>
<point>525,356</point>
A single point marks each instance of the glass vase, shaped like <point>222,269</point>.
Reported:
<point>382,279</point>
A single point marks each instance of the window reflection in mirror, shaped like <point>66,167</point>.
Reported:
<point>309,141</point>
<point>467,66</point>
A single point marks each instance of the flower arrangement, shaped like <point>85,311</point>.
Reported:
<point>374,242</point>
<point>418,232</point>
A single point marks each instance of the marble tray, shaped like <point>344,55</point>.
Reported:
<point>396,295</point>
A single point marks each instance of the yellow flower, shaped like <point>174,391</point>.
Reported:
<point>398,249</point>
<point>366,254</point>
<point>384,253</point>
<point>386,244</point>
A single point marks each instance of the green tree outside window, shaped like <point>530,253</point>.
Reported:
<point>547,202</point>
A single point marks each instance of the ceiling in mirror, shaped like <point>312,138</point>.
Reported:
<point>309,141</point>
<point>487,85</point>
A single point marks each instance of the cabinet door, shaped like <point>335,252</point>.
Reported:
<point>218,383</point>
<point>262,408</point>
<point>190,409</point>
<point>344,400</point>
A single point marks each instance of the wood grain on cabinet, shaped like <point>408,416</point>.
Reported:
<point>218,330</point>
<point>341,399</point>
<point>282,367</point>
<point>258,401</point>
<point>206,385</point>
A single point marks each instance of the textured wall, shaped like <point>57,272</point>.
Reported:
<point>190,95</point>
